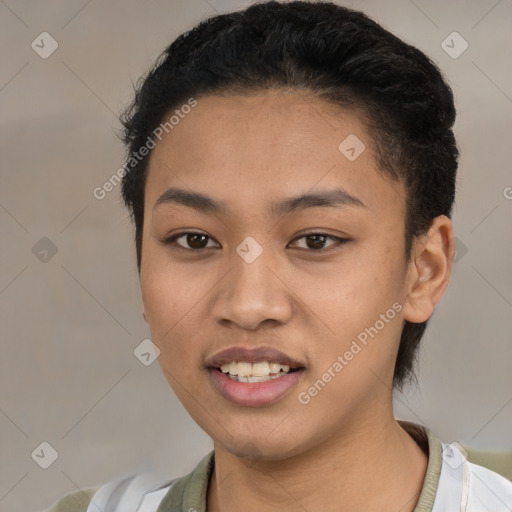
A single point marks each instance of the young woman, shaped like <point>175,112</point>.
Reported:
<point>291,176</point>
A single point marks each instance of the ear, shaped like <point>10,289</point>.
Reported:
<point>144,316</point>
<point>429,270</point>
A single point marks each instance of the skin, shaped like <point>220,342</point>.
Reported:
<point>345,445</point>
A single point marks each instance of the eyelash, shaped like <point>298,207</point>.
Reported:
<point>339,241</point>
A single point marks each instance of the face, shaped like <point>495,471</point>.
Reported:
<point>321,280</point>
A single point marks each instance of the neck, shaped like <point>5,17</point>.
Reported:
<point>372,466</point>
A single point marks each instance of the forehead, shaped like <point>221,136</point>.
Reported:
<point>274,143</point>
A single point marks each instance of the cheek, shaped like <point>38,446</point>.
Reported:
<point>167,290</point>
<point>169,302</point>
<point>359,290</point>
<point>359,302</point>
<point>167,298</point>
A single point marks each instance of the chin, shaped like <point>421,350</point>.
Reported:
<point>257,448</point>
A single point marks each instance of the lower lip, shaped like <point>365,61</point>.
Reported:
<point>253,394</point>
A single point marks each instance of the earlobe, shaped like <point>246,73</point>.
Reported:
<point>429,270</point>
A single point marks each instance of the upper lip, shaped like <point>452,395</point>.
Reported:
<point>251,355</point>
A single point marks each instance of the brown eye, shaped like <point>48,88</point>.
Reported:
<point>196,240</point>
<point>192,241</point>
<point>317,241</point>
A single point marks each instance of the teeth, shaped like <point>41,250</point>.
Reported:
<point>261,378</point>
<point>274,367</point>
<point>232,368</point>
<point>257,370</point>
<point>237,378</point>
<point>260,369</point>
<point>244,369</point>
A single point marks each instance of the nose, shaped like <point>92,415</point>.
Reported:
<point>253,294</point>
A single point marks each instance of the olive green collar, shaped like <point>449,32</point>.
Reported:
<point>189,493</point>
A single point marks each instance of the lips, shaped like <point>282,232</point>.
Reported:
<point>252,355</point>
<point>258,394</point>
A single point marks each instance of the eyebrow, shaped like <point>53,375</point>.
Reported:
<point>337,197</point>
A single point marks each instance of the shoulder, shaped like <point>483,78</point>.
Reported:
<point>76,501</point>
<point>488,489</point>
<point>143,489</point>
<point>467,486</point>
<point>118,494</point>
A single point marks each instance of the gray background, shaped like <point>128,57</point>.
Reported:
<point>69,325</point>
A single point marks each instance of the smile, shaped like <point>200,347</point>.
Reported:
<point>254,390</point>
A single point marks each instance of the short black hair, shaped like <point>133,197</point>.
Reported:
<point>329,52</point>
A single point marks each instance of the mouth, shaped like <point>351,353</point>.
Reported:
<point>262,371</point>
<point>239,358</point>
<point>254,377</point>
